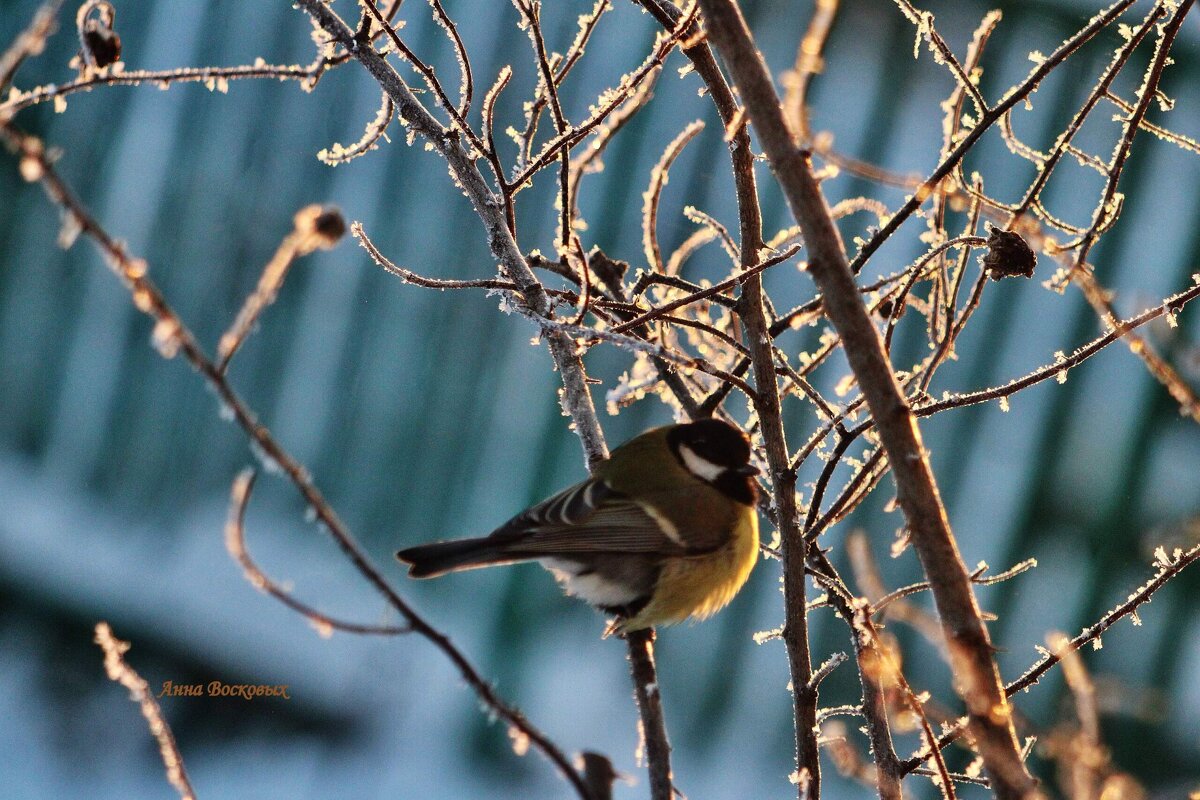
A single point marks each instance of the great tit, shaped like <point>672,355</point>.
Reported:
<point>665,529</point>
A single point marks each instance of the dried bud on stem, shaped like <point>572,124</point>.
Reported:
<point>318,228</point>
<point>100,46</point>
<point>1008,255</point>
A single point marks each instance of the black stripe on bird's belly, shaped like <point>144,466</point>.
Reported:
<point>741,488</point>
<point>629,610</point>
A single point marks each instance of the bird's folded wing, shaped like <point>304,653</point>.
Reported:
<point>590,517</point>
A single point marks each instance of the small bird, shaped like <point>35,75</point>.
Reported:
<point>665,529</point>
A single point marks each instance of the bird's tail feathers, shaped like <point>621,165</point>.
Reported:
<point>439,558</point>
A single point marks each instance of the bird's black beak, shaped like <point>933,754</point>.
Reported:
<point>747,470</point>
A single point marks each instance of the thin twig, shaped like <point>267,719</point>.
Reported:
<point>216,78</point>
<point>140,693</point>
<point>314,228</point>
<point>1088,756</point>
<point>658,180</point>
<point>29,42</point>
<point>376,129</point>
<point>1170,306</point>
<point>737,280</point>
<point>1120,57</point>
<point>942,52</point>
<point>1015,95</point>
<point>611,102</point>
<point>457,119</point>
<point>1105,208</point>
<point>809,63</point>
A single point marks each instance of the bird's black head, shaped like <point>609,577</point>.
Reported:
<point>718,453</point>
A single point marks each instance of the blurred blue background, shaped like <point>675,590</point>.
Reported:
<point>426,415</point>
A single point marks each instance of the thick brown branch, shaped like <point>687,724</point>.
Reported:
<point>977,677</point>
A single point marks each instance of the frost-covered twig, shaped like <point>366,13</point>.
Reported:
<point>809,63</point>
<point>29,42</point>
<point>738,279</point>
<point>610,102</point>
<point>1107,208</point>
<point>215,78</point>
<point>942,53</point>
<point>315,228</point>
<point>1015,95</point>
<point>1169,567</point>
<point>139,691</point>
<point>650,198</point>
<point>1170,307</point>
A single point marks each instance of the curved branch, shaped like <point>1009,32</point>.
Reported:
<point>235,543</point>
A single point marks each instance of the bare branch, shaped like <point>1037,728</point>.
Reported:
<point>376,129</point>
<point>1105,208</point>
<point>1169,566</point>
<point>215,78</point>
<point>1015,95</point>
<point>315,228</point>
<point>942,52</point>
<point>139,692</point>
<point>649,701</point>
<point>977,676</point>
<point>809,63</point>
<point>235,543</point>
<point>704,294</point>
<point>658,180</point>
<point>30,42</point>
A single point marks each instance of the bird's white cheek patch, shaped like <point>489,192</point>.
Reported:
<point>591,587</point>
<point>700,467</point>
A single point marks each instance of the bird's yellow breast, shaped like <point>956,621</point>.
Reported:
<point>700,586</point>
